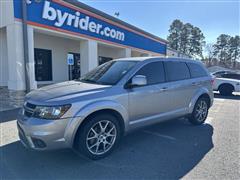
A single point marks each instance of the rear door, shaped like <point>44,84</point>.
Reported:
<point>181,87</point>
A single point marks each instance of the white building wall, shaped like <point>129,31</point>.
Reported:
<point>88,56</point>
<point>30,65</point>
<point>6,12</point>
<point>16,70</point>
<point>113,52</point>
<point>3,58</point>
<point>124,53</point>
<point>60,47</point>
<point>172,53</point>
<point>138,54</point>
<point>107,52</point>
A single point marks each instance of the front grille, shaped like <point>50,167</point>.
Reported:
<point>38,143</point>
<point>29,109</point>
<point>31,106</point>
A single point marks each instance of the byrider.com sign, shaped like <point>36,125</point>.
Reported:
<point>74,20</point>
<point>56,15</point>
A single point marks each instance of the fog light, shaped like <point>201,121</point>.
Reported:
<point>38,143</point>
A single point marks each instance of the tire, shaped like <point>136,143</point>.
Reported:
<point>107,136</point>
<point>200,111</point>
<point>226,89</point>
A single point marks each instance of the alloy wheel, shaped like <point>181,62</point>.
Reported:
<point>201,111</point>
<point>101,137</point>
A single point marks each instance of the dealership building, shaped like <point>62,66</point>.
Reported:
<point>63,40</point>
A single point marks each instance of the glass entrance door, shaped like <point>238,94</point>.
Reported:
<point>74,70</point>
<point>43,64</point>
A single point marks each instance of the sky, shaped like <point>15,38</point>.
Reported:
<point>213,17</point>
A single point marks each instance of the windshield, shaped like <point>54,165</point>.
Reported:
<point>109,73</point>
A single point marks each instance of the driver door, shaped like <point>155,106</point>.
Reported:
<point>152,99</point>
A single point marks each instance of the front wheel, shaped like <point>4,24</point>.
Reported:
<point>98,137</point>
<point>200,112</point>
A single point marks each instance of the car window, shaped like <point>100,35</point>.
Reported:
<point>154,72</point>
<point>176,71</point>
<point>231,76</point>
<point>108,73</point>
<point>196,70</point>
<point>218,73</point>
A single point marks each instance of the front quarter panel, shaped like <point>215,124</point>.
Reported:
<point>88,109</point>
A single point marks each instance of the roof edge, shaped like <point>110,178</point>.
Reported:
<point>112,18</point>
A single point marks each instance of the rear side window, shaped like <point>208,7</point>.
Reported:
<point>196,70</point>
<point>176,71</point>
<point>154,72</point>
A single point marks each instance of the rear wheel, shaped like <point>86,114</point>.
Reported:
<point>226,89</point>
<point>200,111</point>
<point>98,137</point>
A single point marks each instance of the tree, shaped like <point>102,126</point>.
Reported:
<point>209,50</point>
<point>197,43</point>
<point>175,34</point>
<point>221,49</point>
<point>234,49</point>
<point>186,38</point>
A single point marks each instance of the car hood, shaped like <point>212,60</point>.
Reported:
<point>65,91</point>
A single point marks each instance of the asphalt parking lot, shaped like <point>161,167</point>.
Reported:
<point>170,150</point>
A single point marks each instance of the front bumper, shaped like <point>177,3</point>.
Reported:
<point>41,134</point>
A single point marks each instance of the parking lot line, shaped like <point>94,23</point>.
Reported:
<point>161,135</point>
<point>218,99</point>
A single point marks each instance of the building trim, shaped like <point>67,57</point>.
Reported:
<point>85,36</point>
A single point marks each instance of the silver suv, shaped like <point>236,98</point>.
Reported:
<point>91,114</point>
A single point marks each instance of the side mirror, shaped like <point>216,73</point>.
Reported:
<point>138,80</point>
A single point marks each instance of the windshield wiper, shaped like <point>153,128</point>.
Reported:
<point>94,82</point>
<point>88,81</point>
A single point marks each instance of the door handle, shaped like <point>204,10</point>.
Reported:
<point>160,90</point>
<point>163,89</point>
<point>195,84</point>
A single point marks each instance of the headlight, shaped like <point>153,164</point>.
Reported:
<point>50,112</point>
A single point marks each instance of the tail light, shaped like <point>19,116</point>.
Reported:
<point>212,80</point>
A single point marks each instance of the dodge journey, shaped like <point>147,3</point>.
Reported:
<point>93,113</point>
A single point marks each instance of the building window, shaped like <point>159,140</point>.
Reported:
<point>102,60</point>
<point>43,64</point>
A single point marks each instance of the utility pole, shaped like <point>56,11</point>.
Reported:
<point>25,45</point>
